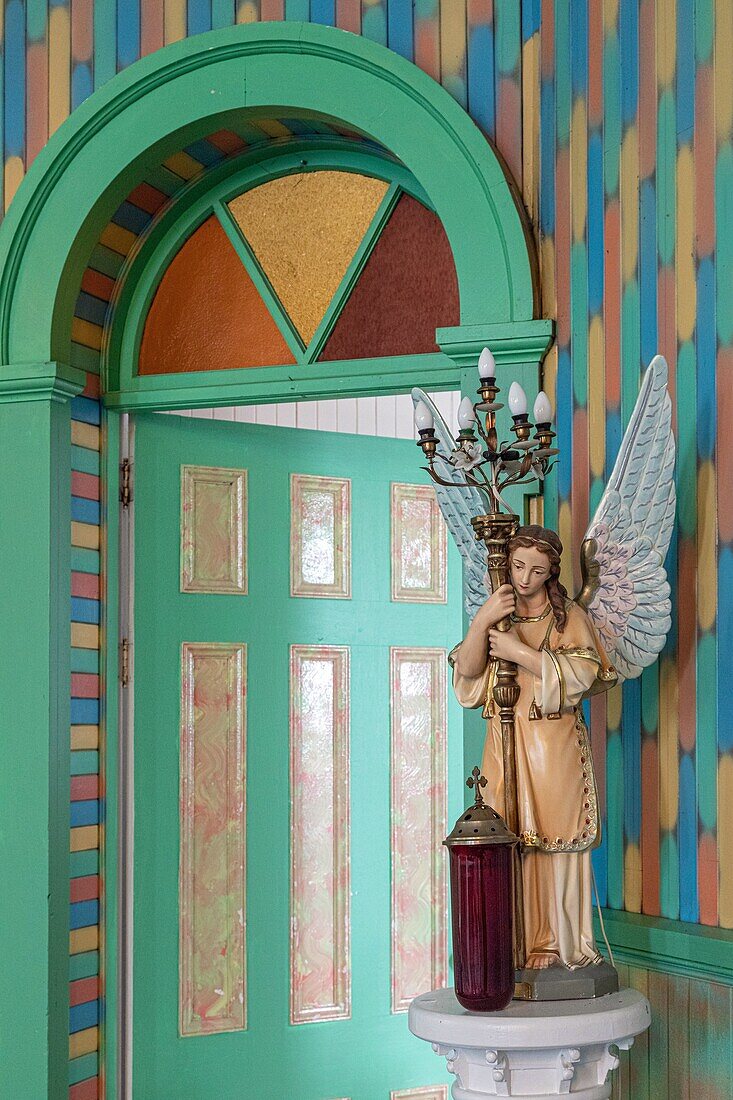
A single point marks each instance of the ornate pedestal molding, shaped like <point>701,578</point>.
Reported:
<point>537,1050</point>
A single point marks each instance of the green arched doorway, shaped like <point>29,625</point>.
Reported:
<point>146,114</point>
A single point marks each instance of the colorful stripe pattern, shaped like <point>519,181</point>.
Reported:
<point>616,121</point>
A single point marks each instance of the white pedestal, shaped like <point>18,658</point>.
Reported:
<point>531,1049</point>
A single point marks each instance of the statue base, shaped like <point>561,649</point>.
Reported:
<point>560,983</point>
<point>531,1051</point>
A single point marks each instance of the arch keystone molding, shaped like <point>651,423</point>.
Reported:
<point>146,113</point>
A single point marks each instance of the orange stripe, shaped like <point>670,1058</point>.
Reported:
<point>707,879</point>
<point>650,838</point>
<point>687,643</point>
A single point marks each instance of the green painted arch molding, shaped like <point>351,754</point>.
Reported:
<point>179,93</point>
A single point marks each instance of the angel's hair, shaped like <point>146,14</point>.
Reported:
<point>542,538</point>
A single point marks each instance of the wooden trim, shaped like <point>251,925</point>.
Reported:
<point>668,946</point>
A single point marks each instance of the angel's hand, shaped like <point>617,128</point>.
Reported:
<point>506,646</point>
<point>500,604</point>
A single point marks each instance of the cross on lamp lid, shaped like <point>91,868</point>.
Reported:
<point>479,824</point>
<point>477,780</point>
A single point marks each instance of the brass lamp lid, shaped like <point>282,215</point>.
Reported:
<point>479,824</point>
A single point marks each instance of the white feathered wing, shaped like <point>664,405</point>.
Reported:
<point>625,589</point>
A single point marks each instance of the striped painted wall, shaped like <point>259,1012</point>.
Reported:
<point>615,119</point>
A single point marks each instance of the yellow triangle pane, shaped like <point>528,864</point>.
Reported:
<point>304,230</point>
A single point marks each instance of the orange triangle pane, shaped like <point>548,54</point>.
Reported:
<point>304,230</point>
<point>407,289</point>
<point>207,313</point>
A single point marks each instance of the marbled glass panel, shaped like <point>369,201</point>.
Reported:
<point>212,904</point>
<point>418,545</point>
<point>320,964</point>
<point>418,822</point>
<point>320,536</point>
<point>213,530</point>
<point>429,1092</point>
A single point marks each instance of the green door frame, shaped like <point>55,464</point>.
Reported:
<point>146,113</point>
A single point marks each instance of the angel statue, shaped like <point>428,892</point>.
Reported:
<point>564,650</point>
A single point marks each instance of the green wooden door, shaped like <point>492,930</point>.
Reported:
<point>263,968</point>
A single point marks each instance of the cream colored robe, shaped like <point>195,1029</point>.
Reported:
<point>557,800</point>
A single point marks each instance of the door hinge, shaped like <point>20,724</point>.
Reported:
<point>124,662</point>
<point>125,482</point>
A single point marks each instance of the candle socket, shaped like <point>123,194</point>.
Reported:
<point>427,441</point>
<point>521,427</point>
<point>544,435</point>
<point>488,390</point>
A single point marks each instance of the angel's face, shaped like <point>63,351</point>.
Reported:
<point>530,570</point>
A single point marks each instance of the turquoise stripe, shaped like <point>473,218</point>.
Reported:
<point>706,746</point>
<point>670,876</point>
<point>84,561</point>
<point>84,965</point>
<point>82,1068</point>
<point>85,461</point>
<point>704,30</point>
<point>611,114</point>
<point>105,41</point>
<point>84,863</point>
<point>85,762</point>
<point>84,660</point>
<point>724,242</point>
<point>666,177</point>
<point>630,348</point>
<point>687,444</point>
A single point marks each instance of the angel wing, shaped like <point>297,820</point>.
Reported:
<point>625,589</point>
<point>458,505</point>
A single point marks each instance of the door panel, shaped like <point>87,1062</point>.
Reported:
<point>241,738</point>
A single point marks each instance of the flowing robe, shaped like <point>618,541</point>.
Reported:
<point>557,798</point>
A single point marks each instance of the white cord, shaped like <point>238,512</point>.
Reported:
<point>600,916</point>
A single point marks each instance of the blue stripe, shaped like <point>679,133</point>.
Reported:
<point>323,12</point>
<point>128,32</point>
<point>15,77</point>
<point>82,84</point>
<point>614,435</point>
<point>631,744</point>
<point>706,367</point>
<point>85,511</point>
<point>84,813</point>
<point>685,96</point>
<point>84,712</point>
<point>595,223</point>
<point>84,611</point>
<point>564,418</point>
<point>687,840</point>
<point>86,409</point>
<point>725,651</point>
<point>131,217</point>
<point>204,152</point>
<point>399,27</point>
<point>629,42</point>
<point>83,914</point>
<point>599,859</point>
<point>531,12</point>
<point>481,90</point>
<point>83,1016</point>
<point>90,309</point>
<point>648,270</point>
<point>547,157</point>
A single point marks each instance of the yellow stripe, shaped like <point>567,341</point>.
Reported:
<point>84,838</point>
<point>118,239</point>
<point>174,20</point>
<point>725,839</point>
<point>632,879</point>
<point>579,168</point>
<point>531,126</point>
<point>248,12</point>
<point>59,67</point>
<point>183,165</point>
<point>272,127</point>
<point>668,744</point>
<point>85,635</point>
<point>84,332</point>
<point>84,1042</point>
<point>723,70</point>
<point>610,14</point>
<point>707,593</point>
<point>452,37</point>
<point>85,435</point>
<point>596,397</point>
<point>614,699</point>
<point>85,535</point>
<point>685,253</point>
<point>667,44</point>
<point>629,204</point>
<point>84,737</point>
<point>83,939</point>
<point>14,172</point>
<point>565,525</point>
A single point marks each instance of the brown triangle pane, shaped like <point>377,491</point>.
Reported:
<point>207,313</point>
<point>407,289</point>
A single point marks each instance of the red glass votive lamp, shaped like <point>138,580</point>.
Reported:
<point>481,851</point>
